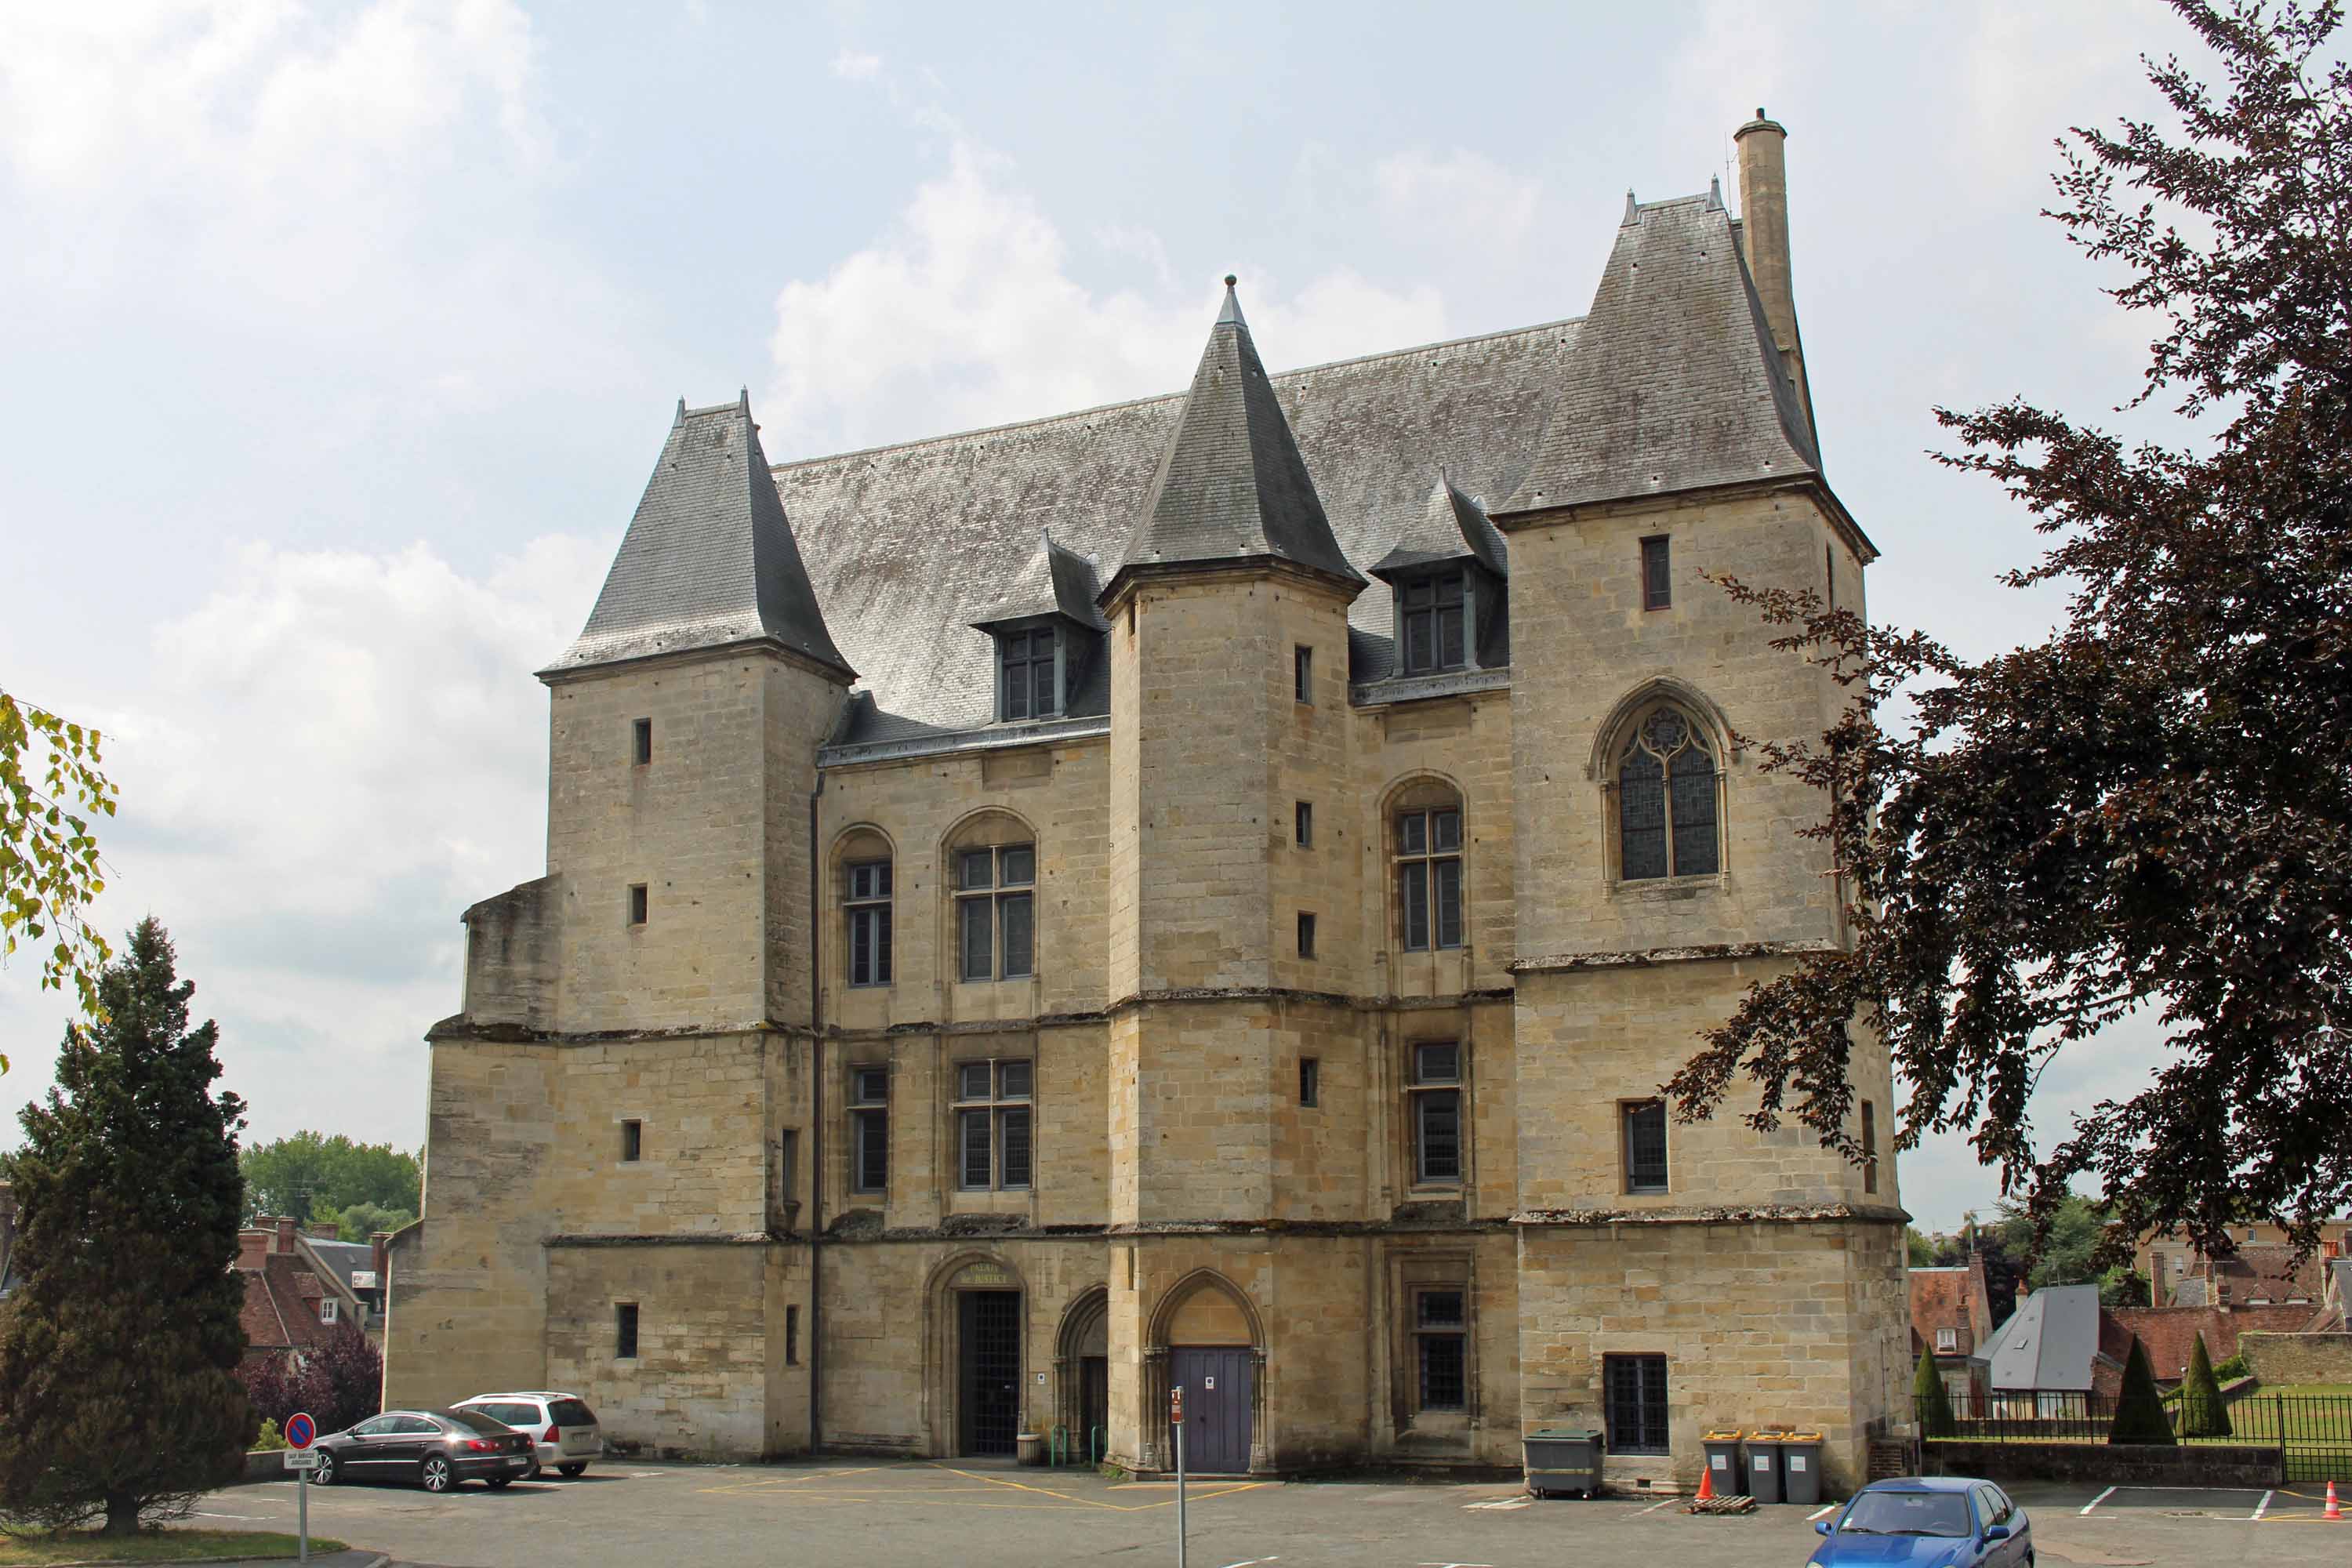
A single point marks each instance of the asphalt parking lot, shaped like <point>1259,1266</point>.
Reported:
<point>961,1513</point>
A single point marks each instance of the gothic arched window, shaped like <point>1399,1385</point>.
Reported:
<point>1665,800</point>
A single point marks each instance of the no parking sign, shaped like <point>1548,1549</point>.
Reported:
<point>300,1430</point>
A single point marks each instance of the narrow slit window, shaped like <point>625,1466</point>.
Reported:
<point>1435,1101</point>
<point>1302,822</point>
<point>792,1336</point>
<point>632,1141</point>
<point>1657,584</point>
<point>869,1130</point>
<point>1306,934</point>
<point>1869,1147</point>
<point>869,911</point>
<point>637,904</point>
<point>1311,1081</point>
<point>1302,673</point>
<point>1644,1133</point>
<point>788,1166</point>
<point>644,741</point>
<point>625,1331</point>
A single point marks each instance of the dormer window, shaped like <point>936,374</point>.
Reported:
<point>1029,673</point>
<point>1432,616</point>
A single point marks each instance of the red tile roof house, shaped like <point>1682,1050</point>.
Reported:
<point>290,1300</point>
<point>2180,1275</point>
<point>1951,1315</point>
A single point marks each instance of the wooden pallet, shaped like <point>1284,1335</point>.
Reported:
<point>1720,1505</point>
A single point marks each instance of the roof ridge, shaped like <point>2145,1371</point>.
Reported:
<point>1096,408</point>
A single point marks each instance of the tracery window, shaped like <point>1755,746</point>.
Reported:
<point>1666,823</point>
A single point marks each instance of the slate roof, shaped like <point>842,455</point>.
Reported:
<point>2049,1341</point>
<point>1452,527</point>
<point>2268,1274</point>
<point>1230,484</point>
<point>1675,384</point>
<point>709,560</point>
<point>1056,581</point>
<point>908,546</point>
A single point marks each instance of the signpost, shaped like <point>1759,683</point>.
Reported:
<point>300,1432</point>
<point>1176,1421</point>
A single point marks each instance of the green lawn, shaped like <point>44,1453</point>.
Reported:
<point>153,1546</point>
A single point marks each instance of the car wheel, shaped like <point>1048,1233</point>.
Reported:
<point>438,1475</point>
<point>324,1476</point>
<point>574,1471</point>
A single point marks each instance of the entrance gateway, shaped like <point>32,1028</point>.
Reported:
<point>987,1402</point>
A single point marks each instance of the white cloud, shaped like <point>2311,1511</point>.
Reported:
<point>966,313</point>
<point>851,66</point>
<point>1461,193</point>
<point>337,753</point>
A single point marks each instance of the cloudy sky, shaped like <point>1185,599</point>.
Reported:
<point>339,339</point>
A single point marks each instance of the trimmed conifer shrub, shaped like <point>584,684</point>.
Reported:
<point>2203,1412</point>
<point>2139,1410</point>
<point>1934,1401</point>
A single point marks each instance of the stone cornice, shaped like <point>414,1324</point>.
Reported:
<point>1730,1214</point>
<point>1648,958</point>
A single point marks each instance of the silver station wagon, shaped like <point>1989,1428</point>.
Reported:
<point>562,1429</point>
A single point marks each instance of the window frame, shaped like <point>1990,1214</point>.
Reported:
<point>1302,824</point>
<point>869,1129</point>
<point>641,742</point>
<point>1307,934</point>
<point>1421,878</point>
<point>873,909</point>
<point>329,1309</point>
<point>1310,1082</point>
<point>1657,572</point>
<point>1423,603</point>
<point>1648,1404</point>
<point>633,1140</point>
<point>640,905</point>
<point>1869,1147</point>
<point>1302,674</point>
<point>1427,1335</point>
<point>1635,1182</point>
<point>992,1112</point>
<point>1947,1341</point>
<point>999,895</point>
<point>1042,653</point>
<point>1637,745</point>
<point>1424,1092</point>
<point>627,1330</point>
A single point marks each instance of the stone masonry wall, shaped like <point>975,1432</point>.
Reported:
<point>2283,1360</point>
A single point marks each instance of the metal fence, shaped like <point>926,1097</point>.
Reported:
<point>2314,1431</point>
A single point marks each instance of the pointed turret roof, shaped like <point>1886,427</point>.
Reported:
<point>1230,484</point>
<point>1451,527</point>
<point>1055,580</point>
<point>709,560</point>
<point>1676,384</point>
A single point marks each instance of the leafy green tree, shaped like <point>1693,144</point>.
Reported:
<point>358,1222</point>
<point>119,1395</point>
<point>1933,1400</point>
<point>2140,1416</point>
<point>51,787</point>
<point>2149,812</point>
<point>2068,1248</point>
<point>313,1176</point>
<point>1919,1251</point>
<point>2121,1286</point>
<point>2203,1412</point>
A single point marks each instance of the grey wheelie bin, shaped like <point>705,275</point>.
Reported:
<point>1800,1466</point>
<point>1723,1461</point>
<point>1563,1459</point>
<point>1764,1465</point>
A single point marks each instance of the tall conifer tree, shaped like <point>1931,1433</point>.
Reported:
<point>2203,1412</point>
<point>118,1398</point>
<point>2140,1416</point>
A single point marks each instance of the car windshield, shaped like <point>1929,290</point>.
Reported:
<point>1907,1513</point>
<point>571,1412</point>
<point>475,1421</point>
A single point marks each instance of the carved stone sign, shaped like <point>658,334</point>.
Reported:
<point>984,1275</point>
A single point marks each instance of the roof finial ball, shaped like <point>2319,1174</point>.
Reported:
<point>1231,279</point>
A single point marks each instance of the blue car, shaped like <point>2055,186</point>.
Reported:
<point>1928,1522</point>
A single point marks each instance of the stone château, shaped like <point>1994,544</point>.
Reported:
<point>1200,893</point>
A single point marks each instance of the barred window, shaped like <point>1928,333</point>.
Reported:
<point>993,1114</point>
<point>996,911</point>
<point>1435,1099</point>
<point>1439,1348</point>
<point>1645,1145</point>
<point>868,907</point>
<point>869,1130</point>
<point>1429,878</point>
<point>1665,800</point>
<point>1636,1388</point>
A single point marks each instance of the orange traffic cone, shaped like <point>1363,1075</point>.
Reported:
<point>2335,1508</point>
<point>1707,1484</point>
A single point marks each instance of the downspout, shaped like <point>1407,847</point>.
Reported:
<point>816,1127</point>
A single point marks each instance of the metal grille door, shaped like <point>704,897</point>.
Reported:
<point>991,1342</point>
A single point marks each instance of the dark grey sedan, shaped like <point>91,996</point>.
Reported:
<point>437,1449</point>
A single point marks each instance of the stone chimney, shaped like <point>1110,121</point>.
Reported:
<point>1764,239</point>
<point>288,1228</point>
<point>379,1255</point>
<point>320,1231</point>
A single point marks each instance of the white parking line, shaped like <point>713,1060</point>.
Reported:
<point>1656,1506</point>
<point>2263,1507</point>
<point>2097,1501</point>
<point>1826,1507</point>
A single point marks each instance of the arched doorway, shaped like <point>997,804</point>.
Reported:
<point>1082,1373</point>
<point>984,1305</point>
<point>1205,1341</point>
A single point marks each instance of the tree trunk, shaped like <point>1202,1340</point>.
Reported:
<point>121,1514</point>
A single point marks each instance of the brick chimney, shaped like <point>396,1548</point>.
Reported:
<point>1764,239</point>
<point>320,1231</point>
<point>379,1255</point>
<point>288,1228</point>
<point>252,1247</point>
